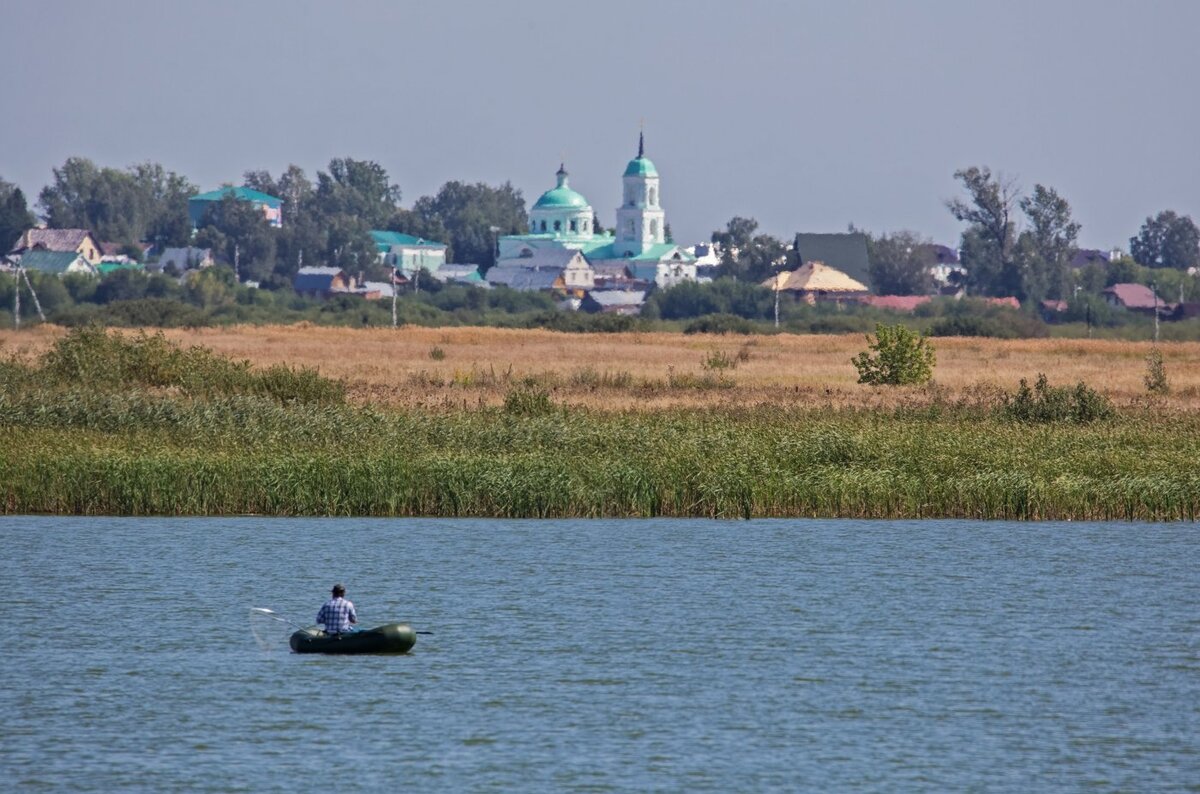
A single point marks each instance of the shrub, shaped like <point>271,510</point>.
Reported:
<point>1156,373</point>
<point>1045,403</point>
<point>436,353</point>
<point>719,360</point>
<point>527,401</point>
<point>719,324</point>
<point>897,356</point>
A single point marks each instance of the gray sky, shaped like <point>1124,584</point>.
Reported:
<point>804,115</point>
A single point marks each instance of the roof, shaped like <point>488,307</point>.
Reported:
<point>243,193</point>
<point>557,258</point>
<point>943,254</point>
<point>1131,296</point>
<point>385,240</point>
<point>561,196</point>
<point>104,268</point>
<point>315,279</point>
<point>49,261</point>
<point>524,278</point>
<point>385,289</point>
<point>53,239</point>
<point>815,277</point>
<point>844,252</point>
<point>468,273</point>
<point>1009,302</point>
<point>640,166</point>
<point>658,251</point>
<point>618,297</point>
<point>896,303</point>
<point>184,257</point>
<point>1089,256</point>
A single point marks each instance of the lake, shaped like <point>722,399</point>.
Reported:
<point>605,655</point>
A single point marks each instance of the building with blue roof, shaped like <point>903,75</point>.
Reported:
<point>270,206</point>
<point>563,219</point>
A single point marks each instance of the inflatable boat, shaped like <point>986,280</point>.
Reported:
<point>388,638</point>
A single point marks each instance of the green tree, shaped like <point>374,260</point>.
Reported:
<point>467,213</point>
<point>359,189</point>
<point>900,264</point>
<point>745,255</point>
<point>15,216</point>
<point>989,240</point>
<point>1044,250</point>
<point>897,356</point>
<point>238,234</point>
<point>1167,240</point>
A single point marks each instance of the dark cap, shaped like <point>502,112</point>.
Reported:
<point>339,589</point>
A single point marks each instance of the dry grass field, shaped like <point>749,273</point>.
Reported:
<point>473,366</point>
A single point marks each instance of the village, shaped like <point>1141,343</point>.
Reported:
<point>562,250</point>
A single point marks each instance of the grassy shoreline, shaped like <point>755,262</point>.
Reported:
<point>105,425</point>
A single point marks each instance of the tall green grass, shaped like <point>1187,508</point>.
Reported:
<point>143,435</point>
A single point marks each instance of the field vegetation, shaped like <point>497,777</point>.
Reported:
<point>98,423</point>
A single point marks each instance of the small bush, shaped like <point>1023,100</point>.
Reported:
<point>1156,373</point>
<point>527,401</point>
<point>1045,403</point>
<point>897,357</point>
<point>437,354</point>
<point>718,360</point>
<point>719,324</point>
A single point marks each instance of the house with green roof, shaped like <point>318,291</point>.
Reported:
<point>407,253</point>
<point>563,219</point>
<point>270,206</point>
<point>58,263</point>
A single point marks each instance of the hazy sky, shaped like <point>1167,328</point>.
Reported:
<point>804,115</point>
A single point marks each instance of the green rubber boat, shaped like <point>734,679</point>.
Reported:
<point>388,638</point>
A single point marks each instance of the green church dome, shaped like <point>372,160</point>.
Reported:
<point>641,166</point>
<point>561,196</point>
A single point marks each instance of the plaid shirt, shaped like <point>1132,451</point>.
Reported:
<point>336,614</point>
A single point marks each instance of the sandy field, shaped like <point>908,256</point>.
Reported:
<point>470,366</point>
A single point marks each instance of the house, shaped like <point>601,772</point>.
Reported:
<point>407,253</point>
<point>271,207</point>
<point>320,282</point>
<point>944,265</point>
<point>79,241</point>
<point>846,253</point>
<point>616,301</point>
<point>1090,256</point>
<point>60,263</point>
<point>189,258</point>
<point>526,279</point>
<point>571,270</point>
<point>460,274</point>
<point>816,281</point>
<point>1134,297</point>
<point>896,303</point>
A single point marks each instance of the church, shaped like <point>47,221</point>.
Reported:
<point>562,219</point>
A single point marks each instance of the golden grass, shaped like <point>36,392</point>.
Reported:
<point>480,365</point>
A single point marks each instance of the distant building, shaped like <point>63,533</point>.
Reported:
<point>1135,298</point>
<point>816,282</point>
<point>627,302</point>
<point>270,206</point>
<point>547,269</point>
<point>320,282</point>
<point>79,241</point>
<point>59,263</point>
<point>460,274</point>
<point>846,253</point>
<point>896,303</point>
<point>189,258</point>
<point>407,253</point>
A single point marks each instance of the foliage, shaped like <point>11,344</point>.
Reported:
<point>988,242</point>
<point>1044,250</point>
<point>1167,240</point>
<point>1156,373</point>
<point>900,264</point>
<point>897,356</point>
<point>436,353</point>
<point>240,236</point>
<point>719,324</point>
<point>1045,403</point>
<point>15,216</point>
<point>719,360</point>
<point>525,401</point>
<point>143,202</point>
<point>723,296</point>
<point>463,216</point>
<point>746,256</point>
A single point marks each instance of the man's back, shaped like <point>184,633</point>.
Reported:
<point>336,615</point>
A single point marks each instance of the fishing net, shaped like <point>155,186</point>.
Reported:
<point>270,629</point>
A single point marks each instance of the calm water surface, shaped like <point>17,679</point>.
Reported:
<point>606,656</point>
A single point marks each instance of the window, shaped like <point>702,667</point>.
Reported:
<point>629,228</point>
<point>654,228</point>
<point>586,225</point>
<point>543,226</point>
<point>558,226</point>
<point>653,197</point>
<point>574,226</point>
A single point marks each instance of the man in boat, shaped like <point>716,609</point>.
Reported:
<point>337,614</point>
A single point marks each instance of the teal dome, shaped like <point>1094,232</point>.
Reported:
<point>560,198</point>
<point>641,166</point>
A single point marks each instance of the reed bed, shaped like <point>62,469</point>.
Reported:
<point>152,440</point>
